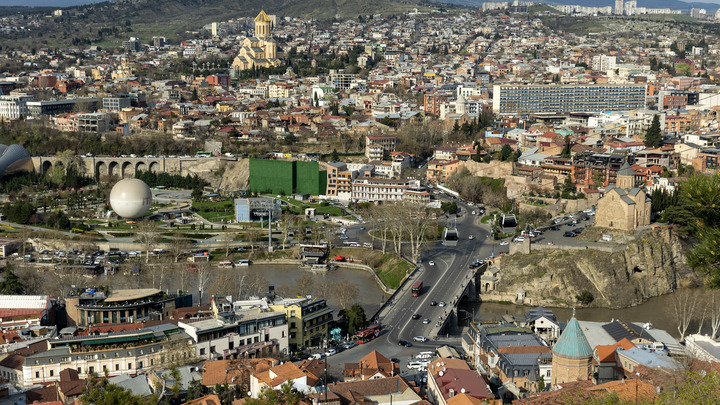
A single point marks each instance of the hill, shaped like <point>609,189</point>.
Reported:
<point>671,4</point>
<point>171,18</point>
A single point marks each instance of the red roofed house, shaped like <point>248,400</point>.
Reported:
<point>373,365</point>
<point>444,385</point>
<point>22,310</point>
<point>605,363</point>
<point>302,379</point>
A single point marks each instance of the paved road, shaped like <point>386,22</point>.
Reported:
<point>441,284</point>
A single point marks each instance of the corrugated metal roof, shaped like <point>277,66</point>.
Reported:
<point>572,342</point>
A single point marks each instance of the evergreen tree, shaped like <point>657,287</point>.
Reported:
<point>334,157</point>
<point>566,149</point>
<point>11,285</point>
<point>653,136</point>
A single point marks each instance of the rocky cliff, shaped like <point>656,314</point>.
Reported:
<point>652,265</point>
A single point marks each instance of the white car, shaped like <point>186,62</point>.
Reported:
<point>420,339</point>
<point>519,239</point>
<point>432,263</point>
<point>471,237</point>
<point>504,243</point>
<point>317,356</point>
<point>330,352</point>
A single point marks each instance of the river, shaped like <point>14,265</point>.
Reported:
<point>654,310</point>
<point>255,279</point>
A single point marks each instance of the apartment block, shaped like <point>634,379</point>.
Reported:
<point>517,98</point>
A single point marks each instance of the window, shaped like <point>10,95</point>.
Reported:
<point>117,367</point>
<point>202,351</point>
<point>129,366</point>
<point>37,374</point>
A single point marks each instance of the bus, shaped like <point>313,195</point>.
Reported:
<point>368,334</point>
<point>417,288</point>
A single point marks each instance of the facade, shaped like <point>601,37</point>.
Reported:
<point>596,169</point>
<point>93,122</point>
<point>571,355</point>
<point>449,378</point>
<point>240,334</point>
<point>131,352</point>
<point>14,107</point>
<point>116,103</point>
<point>376,146</point>
<point>18,311</point>
<point>122,306</point>
<point>526,99</point>
<point>307,319</point>
<point>623,206</point>
<point>256,209</point>
<point>370,367</point>
<point>379,189</point>
<point>258,51</point>
<point>302,379</point>
<point>50,107</point>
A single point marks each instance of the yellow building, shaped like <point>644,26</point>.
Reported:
<point>623,206</point>
<point>308,321</point>
<point>260,50</point>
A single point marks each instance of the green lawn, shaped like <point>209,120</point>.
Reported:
<point>215,210</point>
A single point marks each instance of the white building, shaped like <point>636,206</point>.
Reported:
<point>239,334</point>
<point>703,347</point>
<point>14,107</point>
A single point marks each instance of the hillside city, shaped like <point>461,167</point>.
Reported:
<point>510,203</point>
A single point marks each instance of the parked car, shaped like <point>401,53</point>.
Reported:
<point>578,231</point>
<point>349,345</point>
<point>317,356</point>
<point>569,234</point>
<point>519,239</point>
<point>330,352</point>
<point>554,228</point>
<point>504,243</point>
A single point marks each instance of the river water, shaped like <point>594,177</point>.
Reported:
<point>654,310</point>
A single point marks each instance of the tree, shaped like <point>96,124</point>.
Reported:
<point>11,285</point>
<point>101,392</point>
<point>286,395</point>
<point>203,278</point>
<point>147,234</point>
<point>683,309</point>
<point>346,293</point>
<point>449,207</point>
<point>354,317</point>
<point>178,246</point>
<point>334,156</point>
<point>196,194</point>
<point>653,136</point>
<point>506,153</point>
<point>566,151</point>
<point>585,297</point>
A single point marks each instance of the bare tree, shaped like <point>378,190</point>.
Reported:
<point>683,309</point>
<point>418,225</point>
<point>252,234</point>
<point>323,285</point>
<point>284,228</point>
<point>346,293</point>
<point>225,283</point>
<point>257,284</point>
<point>714,307</point>
<point>304,285</point>
<point>228,236</point>
<point>147,234</point>
<point>203,278</point>
<point>178,246</point>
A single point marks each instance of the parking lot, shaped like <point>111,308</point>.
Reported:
<point>554,232</point>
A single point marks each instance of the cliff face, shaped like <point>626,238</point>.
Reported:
<point>650,266</point>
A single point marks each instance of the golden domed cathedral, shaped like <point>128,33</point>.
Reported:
<point>260,50</point>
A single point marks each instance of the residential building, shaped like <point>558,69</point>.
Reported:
<point>515,354</point>
<point>303,380</point>
<point>450,379</point>
<point>122,306</point>
<point>93,122</point>
<point>239,334</point>
<point>50,107</point>
<point>525,99</point>
<point>377,146</point>
<point>439,171</point>
<point>17,311</point>
<point>116,103</point>
<point>371,366</point>
<point>703,347</point>
<point>131,352</point>
<point>379,189</point>
<point>591,169</point>
<point>13,107</point>
<point>381,391</point>
<point>307,320</point>
<point>132,44</point>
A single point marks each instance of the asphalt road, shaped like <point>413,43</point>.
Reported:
<point>441,283</point>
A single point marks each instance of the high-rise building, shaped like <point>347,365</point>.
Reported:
<point>603,63</point>
<point>631,7</point>
<point>619,7</point>
<point>527,99</point>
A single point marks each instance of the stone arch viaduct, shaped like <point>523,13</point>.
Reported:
<point>123,167</point>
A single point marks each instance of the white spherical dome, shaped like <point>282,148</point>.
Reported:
<point>131,198</point>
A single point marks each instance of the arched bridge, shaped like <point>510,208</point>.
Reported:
<point>122,167</point>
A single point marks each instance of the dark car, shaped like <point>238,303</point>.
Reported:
<point>416,316</point>
<point>404,343</point>
<point>569,234</point>
<point>554,228</point>
<point>578,231</point>
<point>433,303</point>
